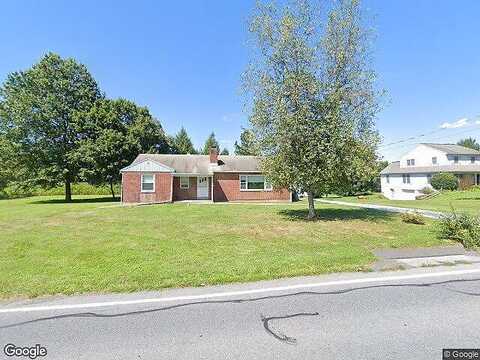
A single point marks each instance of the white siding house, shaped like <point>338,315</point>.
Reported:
<point>405,179</point>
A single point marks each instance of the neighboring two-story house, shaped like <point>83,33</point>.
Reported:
<point>405,179</point>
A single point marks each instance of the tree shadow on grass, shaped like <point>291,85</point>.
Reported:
<point>78,201</point>
<point>330,214</point>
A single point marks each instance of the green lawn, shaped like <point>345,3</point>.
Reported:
<point>463,201</point>
<point>95,245</point>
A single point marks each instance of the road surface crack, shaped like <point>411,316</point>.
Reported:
<point>278,334</point>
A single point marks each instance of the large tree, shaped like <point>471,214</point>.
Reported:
<point>37,108</point>
<point>113,133</point>
<point>211,142</point>
<point>182,143</point>
<point>313,97</point>
<point>247,145</point>
<point>470,143</point>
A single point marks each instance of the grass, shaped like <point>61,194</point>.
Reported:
<point>466,201</point>
<point>94,245</point>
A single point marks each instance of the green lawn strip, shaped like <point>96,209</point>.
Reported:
<point>49,247</point>
<point>462,201</point>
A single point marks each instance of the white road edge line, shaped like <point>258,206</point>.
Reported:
<point>238,293</point>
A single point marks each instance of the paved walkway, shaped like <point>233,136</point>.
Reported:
<point>426,213</point>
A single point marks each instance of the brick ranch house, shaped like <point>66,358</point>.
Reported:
<point>158,178</point>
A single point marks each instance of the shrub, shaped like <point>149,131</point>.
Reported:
<point>463,228</point>
<point>413,218</point>
<point>427,190</point>
<point>444,181</point>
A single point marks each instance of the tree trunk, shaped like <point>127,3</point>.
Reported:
<point>311,206</point>
<point>111,190</point>
<point>68,190</point>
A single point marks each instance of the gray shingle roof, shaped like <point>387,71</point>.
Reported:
<point>453,149</point>
<point>200,164</point>
<point>394,168</point>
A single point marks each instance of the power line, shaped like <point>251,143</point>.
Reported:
<point>407,141</point>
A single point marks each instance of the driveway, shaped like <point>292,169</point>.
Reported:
<point>411,314</point>
<point>426,213</point>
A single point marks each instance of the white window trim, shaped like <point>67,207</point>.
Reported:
<point>141,184</point>
<point>188,183</point>
<point>254,190</point>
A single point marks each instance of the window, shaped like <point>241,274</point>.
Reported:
<point>410,162</point>
<point>429,178</point>
<point>184,182</point>
<point>472,159</point>
<point>388,179</point>
<point>148,183</point>
<point>434,160</point>
<point>406,178</point>
<point>455,159</point>
<point>254,183</point>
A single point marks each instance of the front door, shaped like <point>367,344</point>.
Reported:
<point>202,187</point>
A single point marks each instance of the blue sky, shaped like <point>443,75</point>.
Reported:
<point>184,60</point>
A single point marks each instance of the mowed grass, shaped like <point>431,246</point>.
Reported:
<point>95,245</point>
<point>463,201</point>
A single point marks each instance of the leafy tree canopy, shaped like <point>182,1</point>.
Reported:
<point>247,145</point>
<point>37,108</point>
<point>225,152</point>
<point>470,143</point>
<point>313,96</point>
<point>113,133</point>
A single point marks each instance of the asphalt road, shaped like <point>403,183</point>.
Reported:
<point>399,315</point>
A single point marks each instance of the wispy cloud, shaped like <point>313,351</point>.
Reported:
<point>460,123</point>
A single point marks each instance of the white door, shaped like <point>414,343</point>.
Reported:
<point>202,187</point>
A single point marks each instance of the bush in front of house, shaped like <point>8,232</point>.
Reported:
<point>427,190</point>
<point>444,181</point>
<point>413,218</point>
<point>463,228</point>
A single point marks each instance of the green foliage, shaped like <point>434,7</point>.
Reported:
<point>247,144</point>
<point>363,184</point>
<point>314,98</point>
<point>462,227</point>
<point>83,188</point>
<point>113,133</point>
<point>445,181</point>
<point>427,190</point>
<point>470,143</point>
<point>80,189</point>
<point>8,164</point>
<point>37,108</point>
<point>413,218</point>
<point>211,142</point>
<point>225,152</point>
<point>182,143</point>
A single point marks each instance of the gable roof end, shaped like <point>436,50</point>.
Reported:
<point>147,165</point>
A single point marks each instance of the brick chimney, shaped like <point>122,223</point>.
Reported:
<point>213,155</point>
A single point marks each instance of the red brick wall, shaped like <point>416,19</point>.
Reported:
<point>131,188</point>
<point>190,193</point>
<point>226,187</point>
